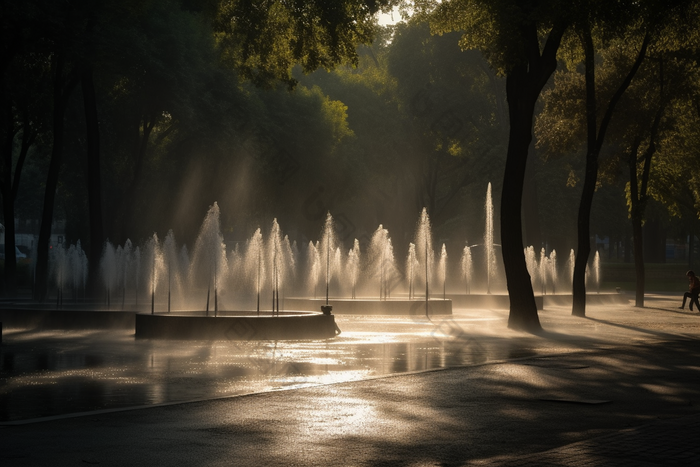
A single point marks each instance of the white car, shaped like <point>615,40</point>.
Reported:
<point>18,254</point>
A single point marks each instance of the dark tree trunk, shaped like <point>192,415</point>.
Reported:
<point>595,138</point>
<point>62,88</point>
<point>583,247</point>
<point>637,215</point>
<point>524,82</point>
<point>94,179</point>
<point>531,212</point>
<point>640,273</point>
<point>28,137</point>
<point>523,309</point>
<point>9,183</point>
<point>639,196</point>
<point>8,205</point>
<point>127,205</point>
<point>10,270</point>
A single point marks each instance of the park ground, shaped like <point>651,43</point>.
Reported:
<point>619,387</point>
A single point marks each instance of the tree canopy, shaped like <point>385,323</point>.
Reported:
<point>293,109</point>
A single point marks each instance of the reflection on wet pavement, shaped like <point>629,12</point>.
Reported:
<point>47,373</point>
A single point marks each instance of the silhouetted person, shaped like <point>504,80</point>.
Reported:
<point>694,291</point>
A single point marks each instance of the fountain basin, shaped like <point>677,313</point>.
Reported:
<point>232,326</point>
<point>367,306</point>
<point>66,319</point>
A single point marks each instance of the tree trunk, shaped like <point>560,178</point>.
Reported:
<point>640,197</point>
<point>523,309</point>
<point>637,215</point>
<point>583,246</point>
<point>524,83</point>
<point>8,205</point>
<point>127,207</point>
<point>9,184</point>
<point>583,240</point>
<point>61,91</point>
<point>638,256</point>
<point>531,213</point>
<point>594,139</point>
<point>94,179</point>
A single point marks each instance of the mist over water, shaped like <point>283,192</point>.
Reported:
<point>259,273</point>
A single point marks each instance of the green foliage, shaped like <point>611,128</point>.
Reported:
<point>264,39</point>
<point>646,129</point>
<point>676,172</point>
<point>495,28</point>
<point>415,119</point>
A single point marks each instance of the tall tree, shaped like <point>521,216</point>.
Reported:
<point>94,174</point>
<point>65,77</point>
<point>11,170</point>
<point>595,136</point>
<point>613,47</point>
<point>667,83</point>
<point>447,98</point>
<point>520,40</point>
<point>22,80</point>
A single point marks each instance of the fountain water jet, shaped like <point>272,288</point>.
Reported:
<point>488,240</point>
<point>254,262</point>
<point>353,266</point>
<point>109,270</point>
<point>572,263</point>
<point>209,256</point>
<point>155,262</point>
<point>424,251</point>
<point>531,262</point>
<point>313,263</point>
<point>381,258</point>
<point>276,260</point>
<point>596,270</point>
<point>328,244</point>
<point>553,268</point>
<point>442,270</point>
<point>170,263</point>
<point>411,268</point>
<point>61,266</point>
<point>466,266</point>
<point>544,262</point>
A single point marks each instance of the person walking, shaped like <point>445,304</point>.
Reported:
<point>694,291</point>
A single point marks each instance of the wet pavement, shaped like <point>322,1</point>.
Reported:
<point>48,373</point>
<point>588,391</point>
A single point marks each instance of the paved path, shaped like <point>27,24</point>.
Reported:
<point>631,399</point>
<point>671,442</point>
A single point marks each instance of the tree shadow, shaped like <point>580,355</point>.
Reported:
<point>670,310</point>
<point>634,328</point>
<point>458,416</point>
